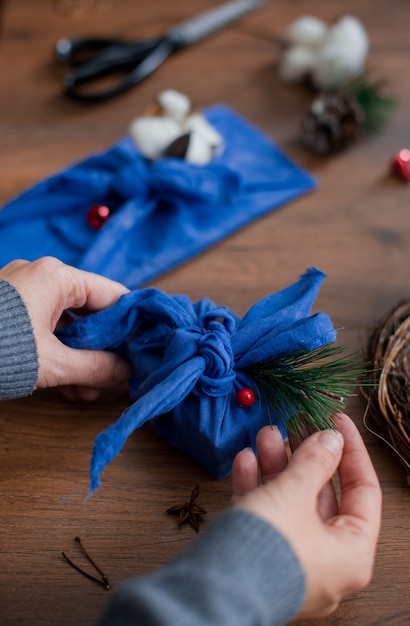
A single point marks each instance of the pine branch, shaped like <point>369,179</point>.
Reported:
<point>375,105</point>
<point>302,390</point>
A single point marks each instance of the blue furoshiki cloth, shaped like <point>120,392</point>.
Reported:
<point>189,360</point>
<point>164,212</point>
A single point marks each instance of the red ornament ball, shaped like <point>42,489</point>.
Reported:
<point>97,215</point>
<point>401,164</point>
<point>245,397</point>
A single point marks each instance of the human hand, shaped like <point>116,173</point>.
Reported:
<point>49,288</point>
<point>334,541</point>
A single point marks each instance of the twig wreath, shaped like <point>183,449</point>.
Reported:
<point>386,383</point>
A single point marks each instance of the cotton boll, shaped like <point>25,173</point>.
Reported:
<point>307,31</point>
<point>172,132</point>
<point>197,124</point>
<point>199,152</point>
<point>330,57</point>
<point>335,66</point>
<point>153,134</point>
<point>204,141</point>
<point>296,63</point>
<point>175,104</point>
<point>343,54</point>
<point>350,32</point>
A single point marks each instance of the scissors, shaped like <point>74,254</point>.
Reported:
<point>91,59</point>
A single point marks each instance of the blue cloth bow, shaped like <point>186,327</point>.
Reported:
<point>163,213</point>
<point>189,360</point>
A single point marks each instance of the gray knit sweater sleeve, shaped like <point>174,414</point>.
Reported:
<point>240,572</point>
<point>18,352</point>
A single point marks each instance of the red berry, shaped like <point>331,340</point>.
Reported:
<point>245,397</point>
<point>97,215</point>
<point>401,164</point>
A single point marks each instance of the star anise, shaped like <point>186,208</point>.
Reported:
<point>189,511</point>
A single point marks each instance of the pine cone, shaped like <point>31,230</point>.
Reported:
<point>331,123</point>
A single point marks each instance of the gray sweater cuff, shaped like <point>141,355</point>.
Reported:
<point>18,352</point>
<point>240,572</point>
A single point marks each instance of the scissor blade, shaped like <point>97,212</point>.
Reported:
<point>196,28</point>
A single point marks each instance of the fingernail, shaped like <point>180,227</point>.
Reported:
<point>122,372</point>
<point>332,440</point>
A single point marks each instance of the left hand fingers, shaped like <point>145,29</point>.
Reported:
<point>75,393</point>
<point>60,365</point>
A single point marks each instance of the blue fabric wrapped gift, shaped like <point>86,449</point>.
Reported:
<point>163,212</point>
<point>189,360</point>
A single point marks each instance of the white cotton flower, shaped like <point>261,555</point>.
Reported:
<point>343,54</point>
<point>330,57</point>
<point>306,31</point>
<point>296,63</point>
<point>199,152</point>
<point>152,135</point>
<point>350,32</point>
<point>199,125</point>
<point>175,104</point>
<point>335,66</point>
<point>204,142</point>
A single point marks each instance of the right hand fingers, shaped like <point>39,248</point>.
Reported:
<point>272,460</point>
<point>271,452</point>
<point>312,465</point>
<point>361,494</point>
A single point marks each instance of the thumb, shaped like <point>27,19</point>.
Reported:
<point>315,461</point>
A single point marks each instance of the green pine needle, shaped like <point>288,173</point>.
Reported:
<point>302,390</point>
<point>375,105</point>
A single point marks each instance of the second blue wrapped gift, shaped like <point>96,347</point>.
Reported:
<point>162,212</point>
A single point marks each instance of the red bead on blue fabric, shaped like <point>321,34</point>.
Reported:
<point>97,215</point>
<point>245,397</point>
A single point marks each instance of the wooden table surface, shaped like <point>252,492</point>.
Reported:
<point>355,227</point>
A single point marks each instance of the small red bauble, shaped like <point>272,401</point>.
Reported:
<point>97,215</point>
<point>245,397</point>
<point>401,164</point>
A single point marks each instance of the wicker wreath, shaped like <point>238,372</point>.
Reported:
<point>387,383</point>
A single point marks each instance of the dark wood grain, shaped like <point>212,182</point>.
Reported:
<point>355,227</point>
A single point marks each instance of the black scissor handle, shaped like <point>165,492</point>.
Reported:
<point>75,52</point>
<point>136,59</point>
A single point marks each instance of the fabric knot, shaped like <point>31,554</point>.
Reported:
<point>214,346</point>
<point>174,181</point>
